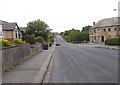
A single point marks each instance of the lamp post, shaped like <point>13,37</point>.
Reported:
<point>118,20</point>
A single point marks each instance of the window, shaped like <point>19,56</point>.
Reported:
<point>98,30</point>
<point>94,31</point>
<point>1,32</point>
<point>115,29</point>
<point>118,29</point>
<point>94,37</point>
<point>16,35</point>
<point>109,29</point>
<point>104,30</point>
<point>19,36</point>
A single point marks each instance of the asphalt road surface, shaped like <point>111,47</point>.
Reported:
<point>83,64</point>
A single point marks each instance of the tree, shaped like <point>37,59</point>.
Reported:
<point>30,39</point>
<point>51,37</point>
<point>40,39</point>
<point>38,28</point>
<point>77,36</point>
<point>86,28</point>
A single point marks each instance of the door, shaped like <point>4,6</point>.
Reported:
<point>102,38</point>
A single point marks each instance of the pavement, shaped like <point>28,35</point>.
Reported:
<point>101,45</point>
<point>83,64</point>
<point>107,47</point>
<point>32,70</point>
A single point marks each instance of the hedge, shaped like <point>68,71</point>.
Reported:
<point>18,41</point>
<point>6,43</point>
<point>113,41</point>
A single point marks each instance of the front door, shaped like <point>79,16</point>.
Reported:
<point>102,38</point>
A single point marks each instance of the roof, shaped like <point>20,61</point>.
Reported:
<point>2,22</point>
<point>9,26</point>
<point>108,22</point>
<point>23,28</point>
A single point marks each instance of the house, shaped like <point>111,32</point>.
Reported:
<point>23,29</point>
<point>10,30</point>
<point>1,34</point>
<point>103,29</point>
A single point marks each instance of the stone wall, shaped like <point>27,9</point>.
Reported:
<point>12,56</point>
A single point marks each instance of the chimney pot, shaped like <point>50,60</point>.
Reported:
<point>93,23</point>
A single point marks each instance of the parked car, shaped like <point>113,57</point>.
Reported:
<point>57,44</point>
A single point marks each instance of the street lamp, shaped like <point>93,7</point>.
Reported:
<point>118,20</point>
<point>114,9</point>
<point>117,10</point>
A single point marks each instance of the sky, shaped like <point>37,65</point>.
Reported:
<point>60,15</point>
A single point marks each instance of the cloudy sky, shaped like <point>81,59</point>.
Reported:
<point>60,15</point>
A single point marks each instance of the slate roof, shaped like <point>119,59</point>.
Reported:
<point>115,21</point>
<point>2,22</point>
<point>23,28</point>
<point>9,26</point>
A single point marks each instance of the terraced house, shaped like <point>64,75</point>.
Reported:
<point>103,29</point>
<point>10,30</point>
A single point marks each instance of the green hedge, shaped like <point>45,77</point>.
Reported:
<point>6,43</point>
<point>113,41</point>
<point>18,41</point>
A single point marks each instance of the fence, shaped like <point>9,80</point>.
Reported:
<point>12,56</point>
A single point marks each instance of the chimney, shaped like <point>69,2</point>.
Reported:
<point>93,23</point>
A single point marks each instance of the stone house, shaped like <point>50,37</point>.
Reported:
<point>10,30</point>
<point>103,29</point>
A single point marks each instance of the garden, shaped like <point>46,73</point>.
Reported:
<point>113,41</point>
<point>37,32</point>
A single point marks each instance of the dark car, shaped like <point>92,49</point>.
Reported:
<point>57,44</point>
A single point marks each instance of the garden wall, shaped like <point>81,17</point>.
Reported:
<point>12,56</point>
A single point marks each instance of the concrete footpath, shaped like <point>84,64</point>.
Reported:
<point>32,70</point>
<point>101,45</point>
<point>107,47</point>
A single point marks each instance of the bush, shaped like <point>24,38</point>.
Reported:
<point>67,38</point>
<point>40,39</point>
<point>113,41</point>
<point>30,39</point>
<point>6,43</point>
<point>18,41</point>
<point>51,38</point>
<point>0,42</point>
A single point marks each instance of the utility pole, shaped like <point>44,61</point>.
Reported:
<point>118,20</point>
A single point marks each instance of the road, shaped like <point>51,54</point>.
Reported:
<point>83,64</point>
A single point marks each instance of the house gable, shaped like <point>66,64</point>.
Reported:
<point>11,30</point>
